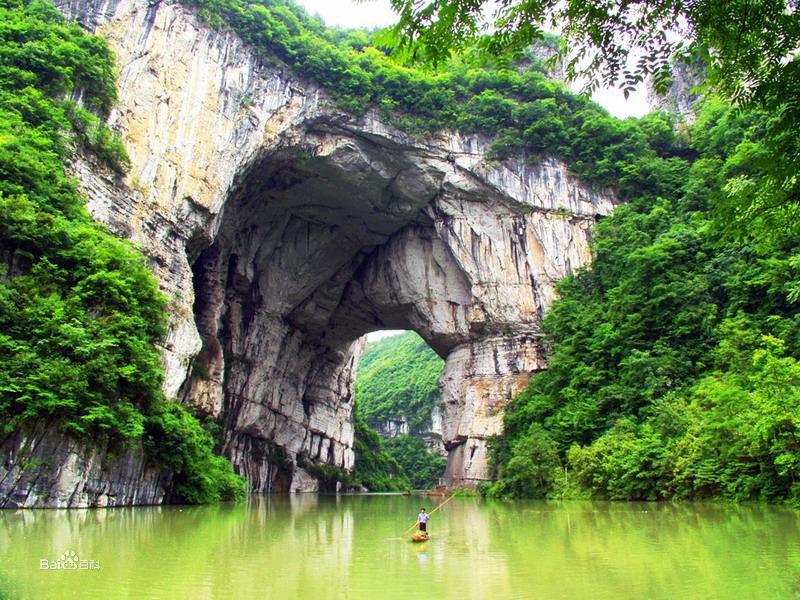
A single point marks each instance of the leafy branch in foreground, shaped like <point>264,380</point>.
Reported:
<point>749,48</point>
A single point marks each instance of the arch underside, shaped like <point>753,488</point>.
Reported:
<point>340,235</point>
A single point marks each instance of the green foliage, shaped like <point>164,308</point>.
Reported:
<point>398,376</point>
<point>518,107</point>
<point>466,493</point>
<point>532,467</point>
<point>42,60</point>
<point>175,438</point>
<point>673,363</point>
<point>733,434</point>
<point>422,466</point>
<point>747,48</point>
<point>375,468</point>
<point>80,312</point>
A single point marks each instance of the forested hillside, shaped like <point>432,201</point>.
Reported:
<point>398,376</point>
<point>673,370</point>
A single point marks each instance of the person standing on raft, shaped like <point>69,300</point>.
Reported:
<point>423,519</point>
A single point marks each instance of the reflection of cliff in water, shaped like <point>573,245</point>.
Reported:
<point>308,546</point>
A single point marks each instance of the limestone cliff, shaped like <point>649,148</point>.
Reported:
<point>683,92</point>
<point>430,432</point>
<point>43,468</point>
<point>283,230</point>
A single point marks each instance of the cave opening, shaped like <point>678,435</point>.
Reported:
<point>310,254</point>
<point>322,243</point>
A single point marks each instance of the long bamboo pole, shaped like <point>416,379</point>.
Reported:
<point>402,535</point>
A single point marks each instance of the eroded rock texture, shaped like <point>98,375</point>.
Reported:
<point>42,468</point>
<point>283,230</point>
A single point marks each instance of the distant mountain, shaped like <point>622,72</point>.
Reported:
<point>397,394</point>
<point>398,380</point>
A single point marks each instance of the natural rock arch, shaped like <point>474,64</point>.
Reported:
<point>342,234</point>
<point>282,229</point>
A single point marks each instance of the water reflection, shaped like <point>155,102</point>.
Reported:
<point>348,547</point>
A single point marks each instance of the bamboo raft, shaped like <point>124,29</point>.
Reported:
<point>424,536</point>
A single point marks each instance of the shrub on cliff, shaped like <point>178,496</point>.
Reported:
<point>174,437</point>
<point>79,310</point>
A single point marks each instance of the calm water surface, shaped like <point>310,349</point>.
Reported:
<point>348,547</point>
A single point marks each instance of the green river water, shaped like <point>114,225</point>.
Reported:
<point>348,547</point>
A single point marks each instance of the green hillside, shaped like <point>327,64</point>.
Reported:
<point>674,368</point>
<point>398,376</point>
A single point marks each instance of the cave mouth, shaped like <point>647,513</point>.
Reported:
<point>397,395</point>
<point>341,233</point>
<point>313,251</point>
<point>397,385</point>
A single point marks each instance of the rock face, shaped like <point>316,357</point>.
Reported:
<point>283,230</point>
<point>42,468</point>
<point>682,94</point>
<point>394,427</point>
<point>430,432</point>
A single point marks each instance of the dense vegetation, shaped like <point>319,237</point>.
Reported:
<point>375,468</point>
<point>520,108</point>
<point>674,363</point>
<point>422,466</point>
<point>80,312</point>
<point>397,377</point>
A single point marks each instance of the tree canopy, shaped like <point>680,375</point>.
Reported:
<point>745,43</point>
<point>750,49</point>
